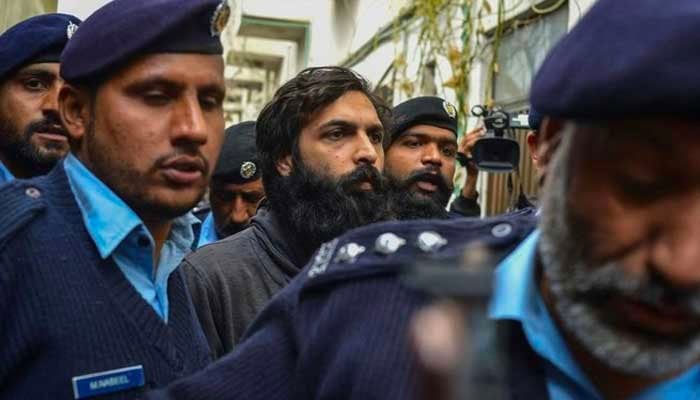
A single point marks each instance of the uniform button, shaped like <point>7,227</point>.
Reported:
<point>501,230</point>
<point>388,243</point>
<point>349,253</point>
<point>430,241</point>
<point>32,192</point>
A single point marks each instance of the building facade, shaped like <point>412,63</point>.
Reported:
<point>467,51</point>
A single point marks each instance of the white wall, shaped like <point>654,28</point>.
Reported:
<point>80,8</point>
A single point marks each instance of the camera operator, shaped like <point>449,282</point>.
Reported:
<point>467,203</point>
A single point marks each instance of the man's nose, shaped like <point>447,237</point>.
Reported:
<point>239,213</point>
<point>366,152</point>
<point>675,251</point>
<point>431,155</point>
<point>189,123</point>
<point>49,103</point>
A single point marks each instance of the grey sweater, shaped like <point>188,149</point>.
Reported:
<point>231,280</point>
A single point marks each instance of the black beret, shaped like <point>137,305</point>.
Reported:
<point>238,162</point>
<point>624,58</point>
<point>534,119</point>
<point>37,39</point>
<point>123,29</point>
<point>425,110</point>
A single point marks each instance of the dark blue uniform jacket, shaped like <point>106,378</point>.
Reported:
<point>339,329</point>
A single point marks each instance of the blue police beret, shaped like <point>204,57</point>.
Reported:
<point>37,39</point>
<point>624,58</point>
<point>534,119</point>
<point>238,162</point>
<point>426,110</point>
<point>123,29</point>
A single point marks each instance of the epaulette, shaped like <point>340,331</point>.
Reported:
<point>386,247</point>
<point>22,201</point>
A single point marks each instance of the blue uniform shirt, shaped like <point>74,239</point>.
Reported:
<point>118,232</point>
<point>5,174</point>
<point>208,233</point>
<point>517,297</point>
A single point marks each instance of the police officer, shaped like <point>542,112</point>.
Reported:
<point>91,300</point>
<point>32,137</point>
<point>420,159</point>
<point>236,187</point>
<point>601,300</point>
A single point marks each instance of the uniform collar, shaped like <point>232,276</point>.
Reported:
<point>208,232</point>
<point>517,297</point>
<point>5,174</point>
<point>107,218</point>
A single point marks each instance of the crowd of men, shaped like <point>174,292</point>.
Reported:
<point>292,284</point>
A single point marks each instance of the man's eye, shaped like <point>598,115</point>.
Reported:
<point>449,152</point>
<point>411,143</point>
<point>156,98</point>
<point>376,137</point>
<point>35,84</point>
<point>209,102</point>
<point>224,196</point>
<point>252,198</point>
<point>335,135</point>
<point>642,191</point>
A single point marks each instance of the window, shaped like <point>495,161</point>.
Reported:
<point>521,53</point>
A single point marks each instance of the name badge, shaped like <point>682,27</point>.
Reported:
<point>116,380</point>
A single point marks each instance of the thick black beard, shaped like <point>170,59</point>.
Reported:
<point>407,204</point>
<point>21,150</point>
<point>317,208</point>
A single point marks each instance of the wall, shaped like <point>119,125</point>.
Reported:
<point>80,8</point>
<point>14,11</point>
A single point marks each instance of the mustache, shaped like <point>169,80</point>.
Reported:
<point>610,280</point>
<point>49,124</point>
<point>430,175</point>
<point>191,158</point>
<point>364,173</point>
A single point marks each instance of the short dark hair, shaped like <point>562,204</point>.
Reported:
<point>282,119</point>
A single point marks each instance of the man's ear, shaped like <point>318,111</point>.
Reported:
<point>532,143</point>
<point>74,107</point>
<point>548,140</point>
<point>284,165</point>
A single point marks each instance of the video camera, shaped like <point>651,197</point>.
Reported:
<point>497,151</point>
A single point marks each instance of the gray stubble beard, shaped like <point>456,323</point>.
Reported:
<point>572,281</point>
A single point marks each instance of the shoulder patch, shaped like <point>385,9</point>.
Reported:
<point>385,248</point>
<point>22,201</point>
<point>322,258</point>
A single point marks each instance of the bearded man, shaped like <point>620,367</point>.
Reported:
<point>320,150</point>
<point>32,137</point>
<point>420,160</point>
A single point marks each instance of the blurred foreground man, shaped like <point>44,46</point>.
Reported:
<point>320,146</point>
<point>91,300</point>
<point>32,137</point>
<point>236,186</point>
<point>602,301</point>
